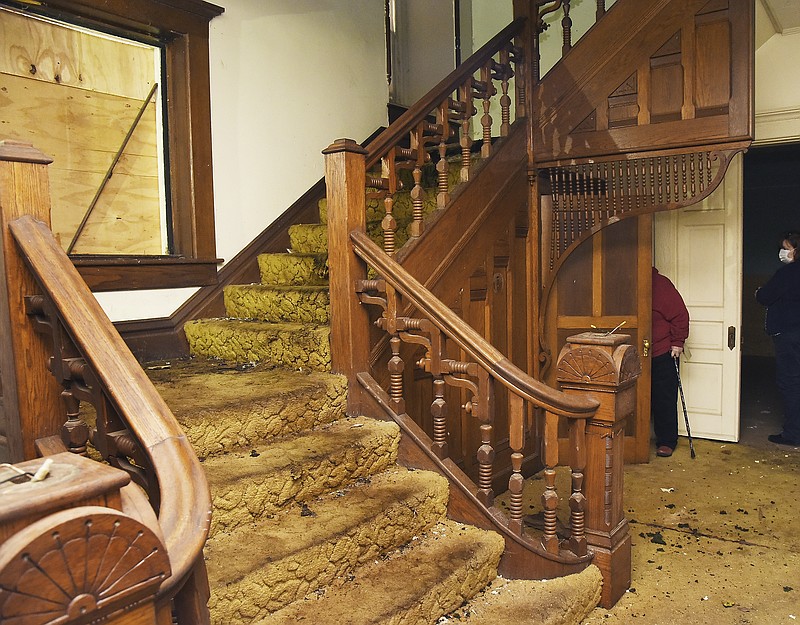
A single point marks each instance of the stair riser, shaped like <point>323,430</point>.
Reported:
<point>293,269</point>
<point>242,342</point>
<point>302,305</point>
<point>309,238</point>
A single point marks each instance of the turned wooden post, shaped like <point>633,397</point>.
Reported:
<point>604,367</point>
<point>31,405</point>
<point>345,179</point>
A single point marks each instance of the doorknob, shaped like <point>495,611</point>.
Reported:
<point>645,347</point>
<point>731,337</point>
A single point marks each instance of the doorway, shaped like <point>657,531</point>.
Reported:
<point>771,197</point>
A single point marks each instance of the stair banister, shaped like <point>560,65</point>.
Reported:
<point>38,279</point>
<point>422,108</point>
<point>185,501</point>
<point>477,347</point>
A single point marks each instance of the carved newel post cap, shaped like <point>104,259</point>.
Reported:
<point>344,145</point>
<point>595,359</point>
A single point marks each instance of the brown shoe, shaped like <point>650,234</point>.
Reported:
<point>664,451</point>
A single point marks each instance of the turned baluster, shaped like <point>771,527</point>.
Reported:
<point>487,91</point>
<point>389,223</point>
<point>443,167</point>
<point>516,57</point>
<point>74,432</point>
<point>566,28</point>
<point>601,9</point>
<point>396,366</point>
<point>439,414</point>
<point>516,428</point>
<point>481,406</point>
<point>417,202</point>
<point>465,141</point>
<point>504,73</point>
<point>550,495</point>
<point>577,501</point>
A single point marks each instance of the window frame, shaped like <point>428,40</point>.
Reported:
<point>182,27</point>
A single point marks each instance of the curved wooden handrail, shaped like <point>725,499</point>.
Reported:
<point>468,339</point>
<point>422,108</point>
<point>185,499</point>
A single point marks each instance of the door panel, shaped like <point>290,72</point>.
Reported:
<point>699,249</point>
<point>605,281</point>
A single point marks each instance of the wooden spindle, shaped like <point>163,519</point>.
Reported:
<point>516,428</point>
<point>443,167</point>
<point>389,226</point>
<point>485,457</point>
<point>601,9</point>
<point>486,119</point>
<point>417,202</point>
<point>396,367</point>
<point>566,29</point>
<point>439,414</point>
<point>465,141</point>
<point>74,432</point>
<point>550,495</point>
<point>577,500</point>
<point>505,99</point>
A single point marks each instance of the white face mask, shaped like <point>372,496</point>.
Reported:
<point>785,256</point>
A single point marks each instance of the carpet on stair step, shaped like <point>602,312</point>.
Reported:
<point>294,553</point>
<point>223,407</point>
<point>278,304</point>
<point>290,269</point>
<point>417,584</point>
<point>564,600</point>
<point>248,485</point>
<point>291,345</point>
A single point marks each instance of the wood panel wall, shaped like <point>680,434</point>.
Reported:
<point>74,95</point>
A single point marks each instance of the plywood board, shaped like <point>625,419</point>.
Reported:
<point>83,131</point>
<point>75,96</point>
<point>48,52</point>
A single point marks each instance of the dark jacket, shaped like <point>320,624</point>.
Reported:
<point>670,317</point>
<point>781,296</point>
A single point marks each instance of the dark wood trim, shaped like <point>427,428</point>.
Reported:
<point>145,272</point>
<point>181,26</point>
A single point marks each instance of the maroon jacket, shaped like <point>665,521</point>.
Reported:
<point>670,317</point>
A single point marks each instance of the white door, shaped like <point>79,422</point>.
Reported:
<point>699,248</point>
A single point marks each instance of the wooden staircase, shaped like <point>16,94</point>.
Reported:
<point>330,520</point>
<point>359,498</point>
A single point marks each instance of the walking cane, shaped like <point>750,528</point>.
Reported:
<point>685,414</point>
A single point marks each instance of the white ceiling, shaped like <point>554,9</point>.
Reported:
<point>784,15</point>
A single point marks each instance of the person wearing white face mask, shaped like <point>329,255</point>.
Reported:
<point>781,296</point>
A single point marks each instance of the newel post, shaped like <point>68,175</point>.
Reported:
<point>345,180</point>
<point>31,406</point>
<point>604,367</point>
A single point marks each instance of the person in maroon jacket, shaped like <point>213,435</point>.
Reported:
<point>670,330</point>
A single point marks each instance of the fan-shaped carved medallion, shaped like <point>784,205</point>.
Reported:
<point>587,365</point>
<point>76,562</point>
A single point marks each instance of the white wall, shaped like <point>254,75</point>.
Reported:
<point>288,77</point>
<point>777,90</point>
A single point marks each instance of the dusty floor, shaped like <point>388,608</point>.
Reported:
<point>716,539</point>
